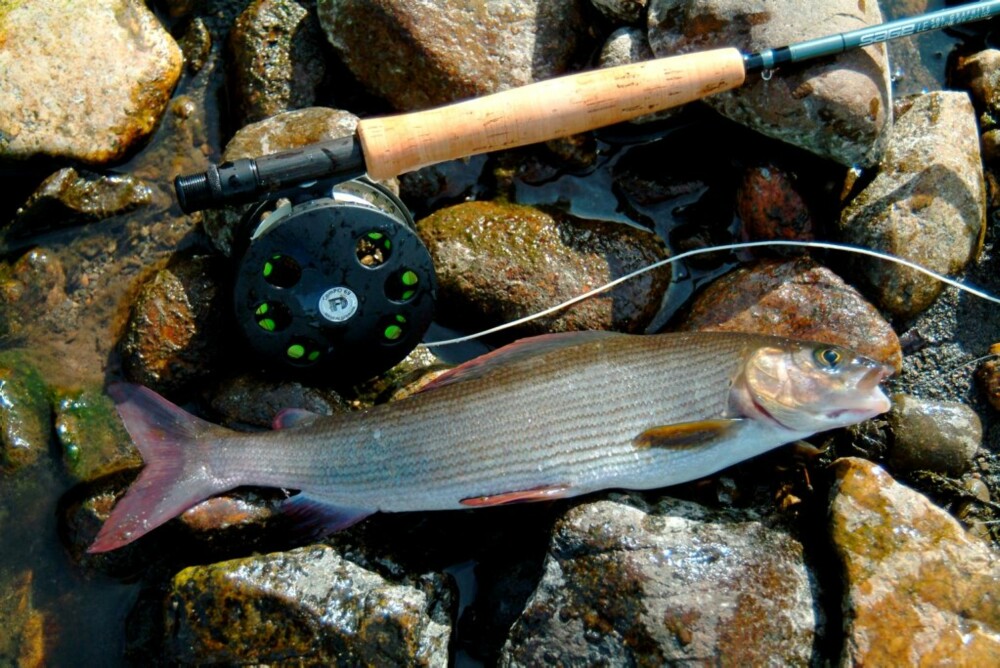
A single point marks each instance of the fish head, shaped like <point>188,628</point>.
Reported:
<point>810,387</point>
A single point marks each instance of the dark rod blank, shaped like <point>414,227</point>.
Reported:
<point>833,44</point>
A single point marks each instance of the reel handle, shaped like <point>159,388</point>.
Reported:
<point>544,110</point>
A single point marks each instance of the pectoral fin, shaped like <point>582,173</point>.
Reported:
<point>543,493</point>
<point>288,418</point>
<point>686,434</point>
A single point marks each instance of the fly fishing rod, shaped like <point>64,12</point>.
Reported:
<point>384,147</point>
<point>331,277</point>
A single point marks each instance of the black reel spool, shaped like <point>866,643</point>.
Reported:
<point>337,283</point>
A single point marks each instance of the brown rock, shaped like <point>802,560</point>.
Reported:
<point>980,74</point>
<point>798,299</point>
<point>989,378</point>
<point>919,590</point>
<point>498,262</point>
<point>278,58</point>
<point>417,54</point>
<point>771,207</point>
<point>72,196</point>
<point>172,336</point>
<point>304,606</point>
<point>85,80</point>
<point>23,639</point>
<point>927,204</point>
<point>838,108</point>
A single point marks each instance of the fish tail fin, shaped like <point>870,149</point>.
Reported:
<point>174,445</point>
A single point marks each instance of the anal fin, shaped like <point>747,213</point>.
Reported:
<point>541,493</point>
<point>684,435</point>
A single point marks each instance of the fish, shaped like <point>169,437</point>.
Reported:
<point>547,417</point>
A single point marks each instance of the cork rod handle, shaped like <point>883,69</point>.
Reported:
<point>545,110</point>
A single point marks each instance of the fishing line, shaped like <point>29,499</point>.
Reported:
<point>825,245</point>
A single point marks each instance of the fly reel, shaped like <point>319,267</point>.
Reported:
<point>337,282</point>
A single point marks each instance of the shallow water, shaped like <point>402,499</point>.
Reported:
<point>80,616</point>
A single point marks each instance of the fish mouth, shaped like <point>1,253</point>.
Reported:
<point>874,377</point>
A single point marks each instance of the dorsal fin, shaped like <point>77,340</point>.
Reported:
<point>513,352</point>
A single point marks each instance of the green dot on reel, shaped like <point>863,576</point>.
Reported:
<point>393,332</point>
<point>296,351</point>
<point>409,278</point>
<point>267,324</point>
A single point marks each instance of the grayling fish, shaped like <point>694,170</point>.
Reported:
<point>546,417</point>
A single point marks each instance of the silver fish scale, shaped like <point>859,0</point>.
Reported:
<point>566,416</point>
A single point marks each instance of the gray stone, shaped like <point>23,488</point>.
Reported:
<point>419,54</point>
<point>927,203</point>
<point>918,589</point>
<point>85,80</point>
<point>625,46</point>
<point>837,108</point>
<point>677,583</point>
<point>307,605</point>
<point>938,436</point>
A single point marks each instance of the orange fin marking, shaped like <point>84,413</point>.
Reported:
<point>686,434</point>
<point>543,493</point>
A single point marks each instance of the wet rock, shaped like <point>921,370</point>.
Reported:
<point>278,58</point>
<point>72,197</point>
<point>307,605</point>
<point>253,401</point>
<point>23,634</point>
<point>172,338</point>
<point>990,146</point>
<point>497,262</point>
<point>771,206</point>
<point>94,441</point>
<point>35,283</point>
<point>622,12</point>
<point>85,80</point>
<point>416,369</point>
<point>938,436</point>
<point>196,45</point>
<point>674,584</point>
<point>989,379</point>
<point>918,588</point>
<point>25,412</point>
<point>418,55</point>
<point>798,299</point>
<point>283,132</point>
<point>979,73</point>
<point>927,203</point>
<point>838,108</point>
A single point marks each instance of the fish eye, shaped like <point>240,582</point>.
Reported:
<point>828,358</point>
